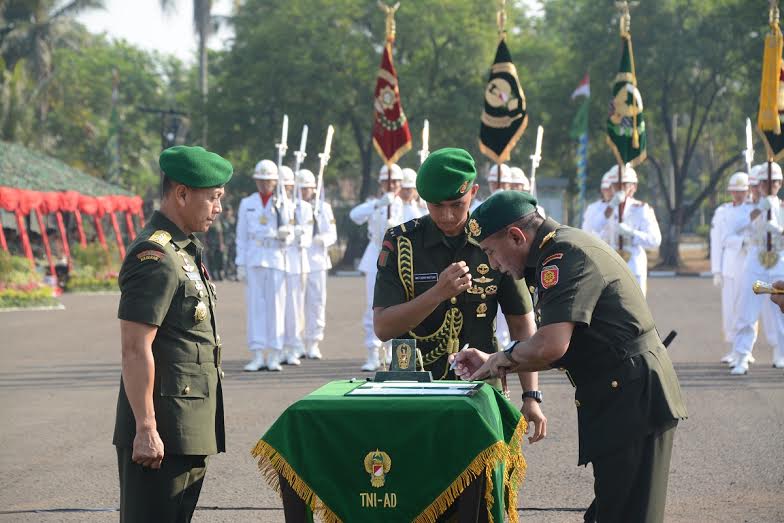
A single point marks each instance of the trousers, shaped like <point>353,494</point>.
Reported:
<point>265,296</point>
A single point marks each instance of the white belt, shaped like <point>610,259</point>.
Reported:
<point>269,243</point>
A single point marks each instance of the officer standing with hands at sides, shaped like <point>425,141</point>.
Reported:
<point>170,405</point>
<point>437,288</point>
<point>594,323</point>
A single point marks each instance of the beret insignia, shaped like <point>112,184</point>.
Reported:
<point>473,227</point>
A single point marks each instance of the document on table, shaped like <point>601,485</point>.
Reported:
<point>409,388</point>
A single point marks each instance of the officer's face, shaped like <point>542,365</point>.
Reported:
<point>451,216</point>
<point>764,187</point>
<point>505,186</point>
<point>518,187</point>
<point>393,187</point>
<point>507,251</point>
<point>407,194</point>
<point>629,189</point>
<point>307,193</point>
<point>493,186</point>
<point>200,207</point>
<point>607,194</point>
<point>266,186</point>
<point>289,191</point>
<point>738,197</point>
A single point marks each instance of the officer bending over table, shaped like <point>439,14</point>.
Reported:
<point>593,323</point>
<point>437,288</point>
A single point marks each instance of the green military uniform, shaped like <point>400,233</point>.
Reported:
<point>415,253</point>
<point>163,283</point>
<point>627,394</point>
<point>216,245</point>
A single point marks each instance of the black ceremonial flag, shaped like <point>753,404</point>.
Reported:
<point>504,118</point>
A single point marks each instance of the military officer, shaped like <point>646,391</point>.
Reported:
<point>380,214</point>
<point>170,405</point>
<point>325,235</point>
<point>638,229</point>
<point>594,323</point>
<point>761,264</point>
<point>300,215</point>
<point>437,288</point>
<point>262,233</point>
<point>595,209</point>
<point>413,205</point>
<point>727,252</point>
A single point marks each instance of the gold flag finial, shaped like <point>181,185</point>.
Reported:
<point>626,18</point>
<point>500,18</point>
<point>773,13</point>
<point>390,22</point>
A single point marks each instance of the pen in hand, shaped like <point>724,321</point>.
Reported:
<point>454,361</point>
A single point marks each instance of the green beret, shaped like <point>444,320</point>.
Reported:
<point>195,166</point>
<point>501,209</point>
<point>447,174</point>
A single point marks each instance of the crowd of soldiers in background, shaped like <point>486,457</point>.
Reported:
<point>746,246</point>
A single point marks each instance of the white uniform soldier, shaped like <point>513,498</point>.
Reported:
<point>761,265</point>
<point>325,235</point>
<point>301,223</point>
<point>260,258</point>
<point>413,205</point>
<point>637,231</point>
<point>520,182</point>
<point>594,210</point>
<point>380,214</point>
<point>727,253</point>
<point>495,182</point>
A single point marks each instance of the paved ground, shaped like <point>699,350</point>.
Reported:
<point>60,372</point>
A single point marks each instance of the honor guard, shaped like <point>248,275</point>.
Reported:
<point>261,239</point>
<point>413,205</point>
<point>727,252</point>
<point>496,181</point>
<point>380,214</point>
<point>520,182</point>
<point>629,226</point>
<point>300,218</point>
<point>593,211</point>
<point>325,235</point>
<point>169,415</point>
<point>763,262</point>
<point>593,324</point>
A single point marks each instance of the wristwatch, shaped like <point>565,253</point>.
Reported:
<point>508,351</point>
<point>536,395</point>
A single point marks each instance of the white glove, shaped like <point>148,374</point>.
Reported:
<point>773,228</point>
<point>768,202</point>
<point>618,198</point>
<point>718,281</point>
<point>385,200</point>
<point>318,240</point>
<point>241,274</point>
<point>298,231</point>
<point>624,229</point>
<point>284,231</point>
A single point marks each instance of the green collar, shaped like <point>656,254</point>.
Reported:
<point>434,236</point>
<point>549,226</point>
<point>159,221</point>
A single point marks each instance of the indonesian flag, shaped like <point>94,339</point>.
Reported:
<point>391,136</point>
<point>584,89</point>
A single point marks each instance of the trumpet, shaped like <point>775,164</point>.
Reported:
<point>761,287</point>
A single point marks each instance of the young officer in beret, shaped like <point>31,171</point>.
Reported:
<point>594,324</point>
<point>437,288</point>
<point>170,406</point>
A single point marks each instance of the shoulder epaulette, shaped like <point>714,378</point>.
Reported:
<point>549,236</point>
<point>160,237</point>
<point>404,229</point>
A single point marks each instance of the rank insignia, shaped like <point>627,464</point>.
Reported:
<point>150,255</point>
<point>475,289</point>
<point>382,258</point>
<point>473,227</point>
<point>481,310</point>
<point>483,269</point>
<point>556,256</point>
<point>160,237</point>
<point>200,314</point>
<point>377,464</point>
<point>549,276</point>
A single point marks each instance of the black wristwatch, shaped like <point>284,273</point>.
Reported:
<point>536,395</point>
<point>508,351</point>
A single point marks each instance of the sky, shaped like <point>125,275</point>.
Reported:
<point>142,23</point>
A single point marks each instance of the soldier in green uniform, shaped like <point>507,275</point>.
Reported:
<point>437,288</point>
<point>594,324</point>
<point>170,405</point>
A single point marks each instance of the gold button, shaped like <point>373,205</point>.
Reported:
<point>614,384</point>
<point>453,300</point>
<point>484,295</point>
<point>187,389</point>
<point>201,294</point>
<point>577,403</point>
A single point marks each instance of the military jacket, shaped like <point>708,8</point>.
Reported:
<point>325,234</point>
<point>257,234</point>
<point>626,386</point>
<point>412,257</point>
<point>301,217</point>
<point>378,221</point>
<point>163,283</point>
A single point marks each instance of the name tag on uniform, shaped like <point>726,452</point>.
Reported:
<point>426,277</point>
<point>193,276</point>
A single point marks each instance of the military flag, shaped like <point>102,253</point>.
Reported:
<point>504,117</point>
<point>580,133</point>
<point>771,105</point>
<point>626,131</point>
<point>391,135</point>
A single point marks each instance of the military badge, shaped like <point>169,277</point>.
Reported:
<point>382,258</point>
<point>491,289</point>
<point>160,237</point>
<point>463,187</point>
<point>481,310</point>
<point>200,314</point>
<point>263,220</point>
<point>403,355</point>
<point>475,289</point>
<point>768,259</point>
<point>473,227</point>
<point>377,464</point>
<point>556,256</point>
<point>151,255</point>
<point>549,276</point>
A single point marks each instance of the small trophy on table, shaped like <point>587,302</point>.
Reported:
<point>403,366</point>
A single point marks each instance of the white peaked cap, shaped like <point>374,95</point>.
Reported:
<point>265,170</point>
<point>738,182</point>
<point>506,174</point>
<point>306,179</point>
<point>287,175</point>
<point>761,171</point>
<point>518,176</point>
<point>409,179</point>
<point>397,173</point>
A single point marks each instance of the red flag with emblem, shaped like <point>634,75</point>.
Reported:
<point>391,135</point>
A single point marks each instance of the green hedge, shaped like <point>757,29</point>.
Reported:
<point>20,284</point>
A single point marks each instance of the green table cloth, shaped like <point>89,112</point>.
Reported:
<point>365,459</point>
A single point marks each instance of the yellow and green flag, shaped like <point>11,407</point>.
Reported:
<point>626,131</point>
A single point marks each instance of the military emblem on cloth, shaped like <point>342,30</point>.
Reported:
<point>549,276</point>
<point>377,464</point>
<point>473,227</point>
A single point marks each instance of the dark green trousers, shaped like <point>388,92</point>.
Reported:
<point>167,495</point>
<point>631,484</point>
